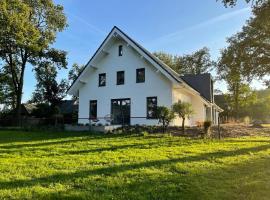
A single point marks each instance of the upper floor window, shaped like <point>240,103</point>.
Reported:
<point>120,79</point>
<point>140,75</point>
<point>102,80</point>
<point>151,106</point>
<point>120,50</point>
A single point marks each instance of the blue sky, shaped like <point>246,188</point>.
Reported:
<point>173,26</point>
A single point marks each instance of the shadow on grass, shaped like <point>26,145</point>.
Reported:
<point>247,141</point>
<point>111,170</point>
<point>24,136</point>
<point>8,136</point>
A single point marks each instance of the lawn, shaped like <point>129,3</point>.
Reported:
<point>36,165</point>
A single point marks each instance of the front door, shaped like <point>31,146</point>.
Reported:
<point>120,111</point>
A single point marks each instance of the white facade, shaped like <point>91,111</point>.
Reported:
<point>158,83</point>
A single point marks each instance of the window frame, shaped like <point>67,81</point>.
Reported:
<point>137,77</point>
<point>120,50</point>
<point>90,110</point>
<point>99,78</point>
<point>117,80</point>
<point>147,113</point>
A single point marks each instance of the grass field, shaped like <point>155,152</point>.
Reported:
<point>35,165</point>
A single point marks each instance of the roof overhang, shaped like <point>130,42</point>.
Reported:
<point>219,109</point>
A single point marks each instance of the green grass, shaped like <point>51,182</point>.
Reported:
<point>266,125</point>
<point>35,165</point>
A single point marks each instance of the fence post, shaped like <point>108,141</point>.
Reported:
<point>219,135</point>
<point>89,124</point>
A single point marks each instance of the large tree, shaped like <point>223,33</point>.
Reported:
<point>197,62</point>
<point>252,43</point>
<point>48,90</point>
<point>247,55</point>
<point>27,29</point>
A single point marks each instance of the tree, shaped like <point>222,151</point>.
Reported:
<point>183,110</point>
<point>7,93</point>
<point>232,3</point>
<point>74,72</point>
<point>27,29</point>
<point>251,44</point>
<point>48,90</point>
<point>196,63</point>
<point>165,116</point>
<point>241,102</point>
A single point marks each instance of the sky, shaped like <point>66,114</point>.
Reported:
<point>172,26</point>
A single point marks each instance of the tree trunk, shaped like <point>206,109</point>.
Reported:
<point>18,107</point>
<point>163,126</point>
<point>183,125</point>
<point>236,101</point>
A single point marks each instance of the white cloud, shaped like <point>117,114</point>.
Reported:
<point>179,33</point>
<point>90,27</point>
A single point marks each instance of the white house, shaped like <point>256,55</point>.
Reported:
<point>124,82</point>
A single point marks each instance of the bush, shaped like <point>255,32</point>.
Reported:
<point>145,133</point>
<point>206,126</point>
<point>247,120</point>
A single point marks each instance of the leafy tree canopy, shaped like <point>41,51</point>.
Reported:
<point>197,62</point>
<point>27,29</point>
<point>183,110</point>
<point>232,3</point>
<point>48,90</point>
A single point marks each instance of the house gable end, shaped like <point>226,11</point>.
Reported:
<point>101,52</point>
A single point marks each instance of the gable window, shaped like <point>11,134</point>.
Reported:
<point>102,80</point>
<point>140,75</point>
<point>120,50</point>
<point>93,109</point>
<point>151,107</point>
<point>120,79</point>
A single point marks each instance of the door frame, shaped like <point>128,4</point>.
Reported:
<point>122,99</point>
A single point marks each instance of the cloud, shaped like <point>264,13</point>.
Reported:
<point>179,33</point>
<point>90,27</point>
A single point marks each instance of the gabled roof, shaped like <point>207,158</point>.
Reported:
<point>165,69</point>
<point>201,83</point>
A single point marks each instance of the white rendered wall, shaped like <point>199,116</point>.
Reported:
<point>197,105</point>
<point>155,84</point>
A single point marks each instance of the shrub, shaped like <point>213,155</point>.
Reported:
<point>206,126</point>
<point>145,133</point>
<point>247,120</point>
<point>165,116</point>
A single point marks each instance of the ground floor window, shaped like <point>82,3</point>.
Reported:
<point>93,109</point>
<point>120,111</point>
<point>151,107</point>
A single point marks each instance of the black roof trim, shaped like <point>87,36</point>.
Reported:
<point>90,59</point>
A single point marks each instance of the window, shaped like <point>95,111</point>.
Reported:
<point>140,75</point>
<point>120,78</point>
<point>93,109</point>
<point>120,50</point>
<point>151,107</point>
<point>102,80</point>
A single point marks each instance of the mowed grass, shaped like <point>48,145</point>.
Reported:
<point>266,125</point>
<point>36,165</point>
